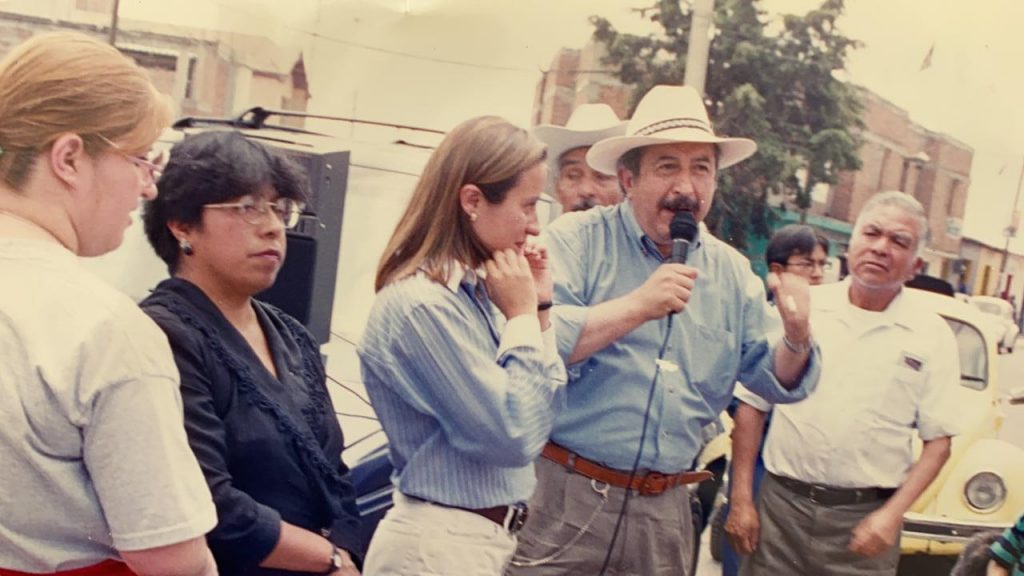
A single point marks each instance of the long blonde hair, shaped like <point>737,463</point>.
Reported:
<point>62,82</point>
<point>434,231</point>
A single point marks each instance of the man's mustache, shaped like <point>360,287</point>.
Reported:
<point>583,204</point>
<point>678,203</point>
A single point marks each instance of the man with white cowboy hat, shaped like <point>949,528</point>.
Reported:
<point>577,185</point>
<point>653,349</point>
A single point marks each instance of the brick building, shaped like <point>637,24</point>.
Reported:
<point>897,154</point>
<point>205,72</point>
<point>578,77</point>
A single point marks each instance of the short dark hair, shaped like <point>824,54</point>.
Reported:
<point>630,160</point>
<point>793,239</point>
<point>214,167</point>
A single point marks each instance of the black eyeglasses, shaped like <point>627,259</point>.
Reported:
<point>825,265</point>
<point>253,210</point>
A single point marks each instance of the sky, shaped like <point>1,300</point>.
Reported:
<point>433,63</point>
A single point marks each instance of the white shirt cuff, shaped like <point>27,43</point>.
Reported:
<point>747,397</point>
<point>523,331</point>
<point>550,345</point>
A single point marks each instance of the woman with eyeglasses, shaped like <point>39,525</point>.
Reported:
<point>96,475</point>
<point>257,410</point>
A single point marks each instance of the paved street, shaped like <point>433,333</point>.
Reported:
<point>1011,375</point>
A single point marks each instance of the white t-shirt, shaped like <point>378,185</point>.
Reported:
<point>93,453</point>
<point>884,374</point>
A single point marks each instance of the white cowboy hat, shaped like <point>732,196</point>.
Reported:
<point>665,115</point>
<point>589,123</point>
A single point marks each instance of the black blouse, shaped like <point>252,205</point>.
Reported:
<point>270,448</point>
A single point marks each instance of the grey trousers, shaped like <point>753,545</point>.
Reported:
<point>572,520</point>
<point>802,538</point>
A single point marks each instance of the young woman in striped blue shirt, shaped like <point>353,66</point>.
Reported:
<point>459,355</point>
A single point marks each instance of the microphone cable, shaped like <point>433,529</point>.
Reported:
<point>683,230</point>
<point>640,448</point>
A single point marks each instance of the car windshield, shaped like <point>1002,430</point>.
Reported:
<point>973,359</point>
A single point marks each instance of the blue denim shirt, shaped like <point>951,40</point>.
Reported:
<point>720,337</point>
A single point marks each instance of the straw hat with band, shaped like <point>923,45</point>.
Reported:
<point>588,124</point>
<point>668,115</point>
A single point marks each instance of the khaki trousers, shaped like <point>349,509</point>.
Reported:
<point>572,520</point>
<point>418,538</point>
<point>802,538</point>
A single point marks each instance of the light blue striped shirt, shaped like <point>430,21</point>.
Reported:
<point>720,337</point>
<point>466,399</point>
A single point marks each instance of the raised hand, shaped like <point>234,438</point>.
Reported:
<point>793,301</point>
<point>510,283</point>
<point>537,257</point>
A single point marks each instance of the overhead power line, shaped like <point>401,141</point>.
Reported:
<point>379,49</point>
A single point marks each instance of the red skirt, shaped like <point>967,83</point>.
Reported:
<point>105,568</point>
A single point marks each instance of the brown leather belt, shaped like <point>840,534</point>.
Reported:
<point>829,496</point>
<point>511,518</point>
<point>647,484</point>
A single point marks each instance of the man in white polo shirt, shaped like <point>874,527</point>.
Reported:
<point>841,469</point>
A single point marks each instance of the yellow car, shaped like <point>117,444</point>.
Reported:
<point>981,487</point>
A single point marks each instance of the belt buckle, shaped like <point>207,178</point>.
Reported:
<point>814,491</point>
<point>517,515</point>
<point>861,495</point>
<point>654,483</point>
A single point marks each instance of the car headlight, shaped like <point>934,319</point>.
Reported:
<point>985,491</point>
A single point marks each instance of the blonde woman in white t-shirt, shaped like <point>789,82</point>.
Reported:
<point>96,474</point>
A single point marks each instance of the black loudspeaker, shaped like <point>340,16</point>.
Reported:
<point>305,285</point>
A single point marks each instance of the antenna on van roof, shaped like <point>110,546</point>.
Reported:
<point>256,118</point>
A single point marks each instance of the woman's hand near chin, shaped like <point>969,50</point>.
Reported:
<point>537,257</point>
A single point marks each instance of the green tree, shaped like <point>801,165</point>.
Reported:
<point>774,82</point>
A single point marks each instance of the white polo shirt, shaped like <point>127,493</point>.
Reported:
<point>883,375</point>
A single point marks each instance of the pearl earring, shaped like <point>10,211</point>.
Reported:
<point>472,216</point>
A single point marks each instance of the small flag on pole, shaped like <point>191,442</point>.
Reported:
<point>927,62</point>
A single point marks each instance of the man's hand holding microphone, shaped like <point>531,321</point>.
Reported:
<point>668,290</point>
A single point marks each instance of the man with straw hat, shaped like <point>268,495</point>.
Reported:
<point>577,185</point>
<point>653,346</point>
